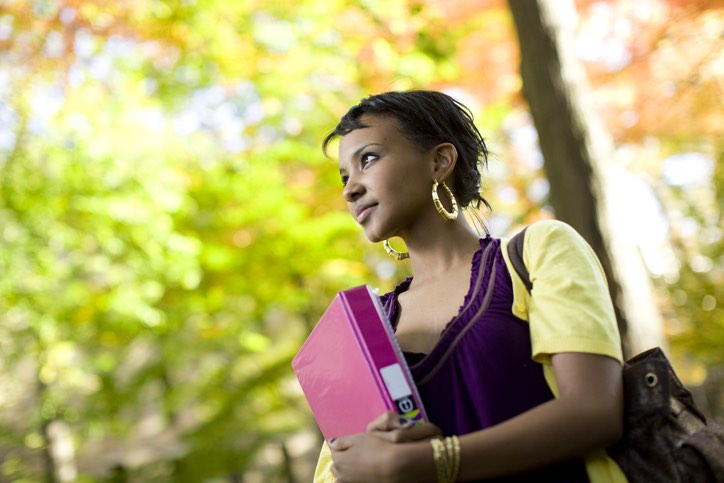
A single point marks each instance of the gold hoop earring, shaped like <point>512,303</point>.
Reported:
<point>394,253</point>
<point>446,215</point>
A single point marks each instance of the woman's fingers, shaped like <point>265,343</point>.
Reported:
<point>341,443</point>
<point>388,421</point>
<point>394,428</point>
<point>390,427</point>
<point>415,432</point>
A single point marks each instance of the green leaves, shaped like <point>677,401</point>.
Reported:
<point>169,229</point>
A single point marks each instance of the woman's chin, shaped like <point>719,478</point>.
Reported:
<point>373,237</point>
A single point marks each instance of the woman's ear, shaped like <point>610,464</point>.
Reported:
<point>445,158</point>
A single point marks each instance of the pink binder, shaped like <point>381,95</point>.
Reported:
<point>351,368</point>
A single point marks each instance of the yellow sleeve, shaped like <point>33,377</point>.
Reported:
<point>569,309</point>
<point>323,472</point>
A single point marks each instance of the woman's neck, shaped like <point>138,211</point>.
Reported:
<point>441,249</point>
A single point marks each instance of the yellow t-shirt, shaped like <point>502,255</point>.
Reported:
<point>569,310</point>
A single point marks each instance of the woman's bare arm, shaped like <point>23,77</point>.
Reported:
<point>586,416</point>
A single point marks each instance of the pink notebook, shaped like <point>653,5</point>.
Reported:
<point>352,370</point>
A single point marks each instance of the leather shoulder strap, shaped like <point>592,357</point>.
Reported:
<point>515,253</point>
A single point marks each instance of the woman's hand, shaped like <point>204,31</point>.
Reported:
<point>398,429</point>
<point>381,454</point>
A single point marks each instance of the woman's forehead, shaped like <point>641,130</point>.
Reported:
<point>376,128</point>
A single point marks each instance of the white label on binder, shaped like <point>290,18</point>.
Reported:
<point>395,381</point>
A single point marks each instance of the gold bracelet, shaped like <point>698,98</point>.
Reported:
<point>446,453</point>
<point>448,459</point>
<point>440,456</point>
<point>452,445</point>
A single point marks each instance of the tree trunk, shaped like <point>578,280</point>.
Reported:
<point>575,145</point>
<point>48,463</point>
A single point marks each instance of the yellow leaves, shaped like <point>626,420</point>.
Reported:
<point>134,307</point>
<point>424,69</point>
<point>61,366</point>
<point>34,441</point>
<point>274,34</point>
<point>191,279</point>
<point>98,17</point>
<point>161,10</point>
<point>128,210</point>
<point>342,269</point>
<point>243,238</point>
<point>384,56</point>
<point>85,314</point>
<point>253,342</point>
<point>218,257</point>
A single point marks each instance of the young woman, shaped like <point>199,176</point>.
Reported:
<point>517,385</point>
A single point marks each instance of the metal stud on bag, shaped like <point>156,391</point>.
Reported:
<point>651,379</point>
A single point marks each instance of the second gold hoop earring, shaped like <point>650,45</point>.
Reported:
<point>394,253</point>
<point>446,215</point>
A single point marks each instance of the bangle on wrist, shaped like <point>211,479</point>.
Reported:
<point>446,453</point>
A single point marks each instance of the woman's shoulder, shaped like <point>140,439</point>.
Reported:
<point>546,239</point>
<point>548,230</point>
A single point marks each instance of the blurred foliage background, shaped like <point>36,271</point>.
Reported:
<point>170,231</point>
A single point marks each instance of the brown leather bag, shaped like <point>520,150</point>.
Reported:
<point>666,437</point>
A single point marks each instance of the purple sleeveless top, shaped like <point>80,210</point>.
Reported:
<point>480,372</point>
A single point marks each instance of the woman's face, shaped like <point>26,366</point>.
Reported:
<point>387,178</point>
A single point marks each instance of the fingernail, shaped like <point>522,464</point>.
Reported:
<point>405,422</point>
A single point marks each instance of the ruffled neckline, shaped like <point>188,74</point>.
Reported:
<point>469,306</point>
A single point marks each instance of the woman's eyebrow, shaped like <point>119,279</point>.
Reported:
<point>362,148</point>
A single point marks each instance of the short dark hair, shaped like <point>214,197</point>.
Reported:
<point>429,118</point>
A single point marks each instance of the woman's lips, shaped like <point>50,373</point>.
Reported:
<point>363,212</point>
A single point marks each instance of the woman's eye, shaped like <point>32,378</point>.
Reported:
<point>367,158</point>
<point>345,179</point>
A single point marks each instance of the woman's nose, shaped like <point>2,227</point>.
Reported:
<point>352,190</point>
